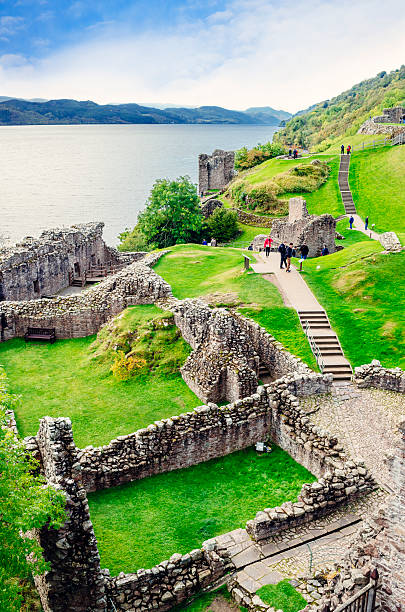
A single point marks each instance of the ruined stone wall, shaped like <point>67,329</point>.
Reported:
<point>181,441</point>
<point>391,115</point>
<point>374,375</point>
<point>43,266</point>
<point>168,584</point>
<point>75,582</point>
<point>210,206</point>
<point>339,479</point>
<point>314,231</point>
<point>83,314</point>
<point>216,170</point>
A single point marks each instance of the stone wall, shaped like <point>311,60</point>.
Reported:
<point>374,375</point>
<point>210,206</point>
<point>314,231</point>
<point>83,314</point>
<point>205,433</point>
<point>251,219</point>
<point>75,582</point>
<point>339,480</point>
<point>371,127</point>
<point>216,170</point>
<point>168,584</point>
<point>44,266</point>
<point>391,115</point>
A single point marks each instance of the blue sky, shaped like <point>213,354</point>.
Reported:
<point>234,53</point>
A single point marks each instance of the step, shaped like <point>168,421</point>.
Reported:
<point>301,312</point>
<point>338,369</point>
<point>340,377</point>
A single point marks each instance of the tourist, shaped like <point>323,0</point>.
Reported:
<point>204,242</point>
<point>325,250</point>
<point>289,152</point>
<point>304,251</point>
<point>289,253</point>
<point>213,242</point>
<point>349,148</point>
<point>282,250</point>
<point>342,149</point>
<point>351,221</point>
<point>295,153</point>
<point>366,223</point>
<point>267,245</point>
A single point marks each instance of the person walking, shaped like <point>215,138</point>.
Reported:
<point>295,153</point>
<point>366,223</point>
<point>282,250</point>
<point>289,253</point>
<point>342,149</point>
<point>325,250</point>
<point>267,245</point>
<point>289,152</point>
<point>349,148</point>
<point>351,221</point>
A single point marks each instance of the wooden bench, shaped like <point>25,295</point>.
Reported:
<point>37,333</point>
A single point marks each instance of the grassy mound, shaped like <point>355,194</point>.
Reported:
<point>194,271</point>
<point>73,378</point>
<point>145,522</point>
<point>363,293</point>
<point>377,181</point>
<point>282,596</point>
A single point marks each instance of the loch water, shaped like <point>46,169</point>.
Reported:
<point>58,175</point>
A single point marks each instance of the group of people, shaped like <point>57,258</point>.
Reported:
<point>288,251</point>
<point>293,153</point>
<point>213,242</point>
<point>351,221</point>
<point>348,149</point>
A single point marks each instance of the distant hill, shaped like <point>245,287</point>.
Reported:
<point>25,112</point>
<point>346,112</point>
<point>267,111</point>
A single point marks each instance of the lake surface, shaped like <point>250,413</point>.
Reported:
<point>53,176</point>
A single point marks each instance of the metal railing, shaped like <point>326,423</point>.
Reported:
<point>389,141</point>
<point>363,600</point>
<point>314,347</point>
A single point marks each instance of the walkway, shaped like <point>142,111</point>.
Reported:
<point>313,318</point>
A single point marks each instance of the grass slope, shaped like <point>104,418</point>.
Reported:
<point>62,379</point>
<point>363,293</point>
<point>350,236</point>
<point>143,523</point>
<point>377,181</point>
<point>194,271</point>
<point>282,596</point>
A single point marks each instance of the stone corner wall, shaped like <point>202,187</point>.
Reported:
<point>297,209</point>
<point>216,170</point>
<point>374,375</point>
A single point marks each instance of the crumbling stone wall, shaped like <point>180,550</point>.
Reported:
<point>34,268</point>
<point>205,433</point>
<point>391,115</point>
<point>75,582</point>
<point>83,314</point>
<point>210,206</point>
<point>216,170</point>
<point>302,228</point>
<point>374,375</point>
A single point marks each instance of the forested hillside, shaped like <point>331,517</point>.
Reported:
<point>346,112</point>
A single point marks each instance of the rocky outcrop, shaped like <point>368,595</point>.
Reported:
<point>209,207</point>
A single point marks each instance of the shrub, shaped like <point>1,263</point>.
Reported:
<point>245,158</point>
<point>222,225</point>
<point>133,240</point>
<point>126,366</point>
<point>263,198</point>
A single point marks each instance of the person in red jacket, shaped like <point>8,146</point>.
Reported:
<point>267,245</point>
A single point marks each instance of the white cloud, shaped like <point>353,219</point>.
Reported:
<point>255,52</point>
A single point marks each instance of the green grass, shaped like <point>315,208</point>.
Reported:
<point>282,596</point>
<point>351,236</point>
<point>356,140</point>
<point>377,181</point>
<point>248,232</point>
<point>143,523</point>
<point>64,380</point>
<point>194,271</point>
<point>363,293</point>
<point>269,169</point>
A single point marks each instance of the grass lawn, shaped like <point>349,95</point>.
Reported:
<point>269,169</point>
<point>64,380</point>
<point>377,181</point>
<point>282,596</point>
<point>356,140</point>
<point>143,523</point>
<point>363,293</point>
<point>248,233</point>
<point>194,271</point>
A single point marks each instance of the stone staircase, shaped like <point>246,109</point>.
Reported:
<point>343,181</point>
<point>325,344</point>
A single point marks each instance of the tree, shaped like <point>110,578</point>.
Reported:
<point>26,502</point>
<point>172,213</point>
<point>222,225</point>
<point>132,240</point>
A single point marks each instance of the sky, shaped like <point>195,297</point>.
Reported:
<point>231,53</point>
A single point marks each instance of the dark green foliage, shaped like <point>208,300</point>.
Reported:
<point>222,225</point>
<point>245,158</point>
<point>282,596</point>
<point>145,522</point>
<point>172,214</point>
<point>345,113</point>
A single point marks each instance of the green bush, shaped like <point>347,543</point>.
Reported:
<point>263,198</point>
<point>133,240</point>
<point>245,158</point>
<point>222,225</point>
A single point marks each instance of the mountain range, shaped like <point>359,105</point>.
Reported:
<point>17,111</point>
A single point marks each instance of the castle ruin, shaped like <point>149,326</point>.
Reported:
<point>215,171</point>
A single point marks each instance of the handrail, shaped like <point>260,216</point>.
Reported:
<point>314,347</point>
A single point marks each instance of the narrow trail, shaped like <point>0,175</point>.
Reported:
<point>313,317</point>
